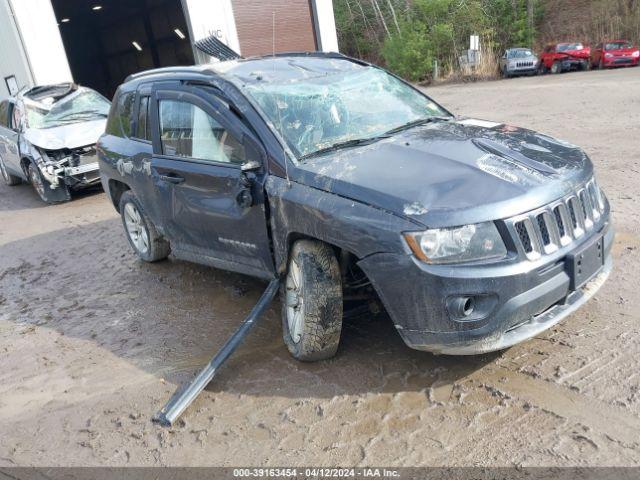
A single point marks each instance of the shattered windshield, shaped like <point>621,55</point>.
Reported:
<point>617,46</point>
<point>80,106</point>
<point>564,47</point>
<point>520,53</point>
<point>314,114</point>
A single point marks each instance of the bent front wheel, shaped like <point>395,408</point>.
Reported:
<point>312,302</point>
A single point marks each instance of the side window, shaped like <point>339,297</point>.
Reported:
<point>4,113</point>
<point>143,129</point>
<point>119,123</point>
<point>188,131</point>
<point>16,118</point>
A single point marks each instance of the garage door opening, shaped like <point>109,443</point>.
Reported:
<point>106,40</point>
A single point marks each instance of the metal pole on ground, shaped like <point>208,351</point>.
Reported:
<point>187,394</point>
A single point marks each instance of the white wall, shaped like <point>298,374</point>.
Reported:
<point>13,61</point>
<point>326,25</point>
<point>42,41</point>
<point>212,17</point>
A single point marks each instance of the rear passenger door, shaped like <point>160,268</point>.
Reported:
<point>215,209</point>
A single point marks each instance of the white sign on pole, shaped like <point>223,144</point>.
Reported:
<point>474,42</point>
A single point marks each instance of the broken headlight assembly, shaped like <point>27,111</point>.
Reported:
<point>468,243</point>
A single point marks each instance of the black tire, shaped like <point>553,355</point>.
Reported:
<point>43,188</point>
<point>316,296</point>
<point>147,244</point>
<point>542,70</point>
<point>8,178</point>
<point>556,68</point>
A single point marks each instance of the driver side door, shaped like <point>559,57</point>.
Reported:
<point>214,206</point>
<point>9,138</point>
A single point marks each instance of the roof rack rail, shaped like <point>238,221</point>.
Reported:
<point>156,71</point>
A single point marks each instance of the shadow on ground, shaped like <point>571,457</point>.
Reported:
<point>169,318</point>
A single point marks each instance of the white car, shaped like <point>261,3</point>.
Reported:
<point>48,136</point>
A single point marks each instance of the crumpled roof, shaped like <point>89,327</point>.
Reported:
<point>285,69</point>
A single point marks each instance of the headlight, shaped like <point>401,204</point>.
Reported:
<point>459,244</point>
<point>608,55</point>
<point>636,54</point>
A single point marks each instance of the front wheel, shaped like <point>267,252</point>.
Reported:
<point>312,302</point>
<point>143,237</point>
<point>44,189</point>
<point>556,68</point>
<point>9,179</point>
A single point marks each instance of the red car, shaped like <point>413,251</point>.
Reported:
<point>563,57</point>
<point>615,53</point>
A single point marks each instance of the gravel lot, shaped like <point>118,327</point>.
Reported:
<point>93,342</point>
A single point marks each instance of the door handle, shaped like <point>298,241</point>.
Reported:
<point>171,178</point>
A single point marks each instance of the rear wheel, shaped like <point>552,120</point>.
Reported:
<point>312,302</point>
<point>8,178</point>
<point>143,237</point>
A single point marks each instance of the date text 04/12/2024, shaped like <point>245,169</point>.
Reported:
<point>315,473</point>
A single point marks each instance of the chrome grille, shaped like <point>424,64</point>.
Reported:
<point>556,225</point>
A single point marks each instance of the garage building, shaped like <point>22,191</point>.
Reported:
<point>98,43</point>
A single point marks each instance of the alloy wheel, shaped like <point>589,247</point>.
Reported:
<point>3,169</point>
<point>136,229</point>
<point>295,302</point>
<point>36,181</point>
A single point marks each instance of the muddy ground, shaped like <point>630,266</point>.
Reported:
<point>93,342</point>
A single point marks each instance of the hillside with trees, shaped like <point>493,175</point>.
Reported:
<point>415,37</point>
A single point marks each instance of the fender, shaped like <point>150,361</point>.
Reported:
<point>299,211</point>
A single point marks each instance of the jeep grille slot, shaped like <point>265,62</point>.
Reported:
<point>544,231</point>
<point>525,240</point>
<point>558,224</point>
<point>559,221</point>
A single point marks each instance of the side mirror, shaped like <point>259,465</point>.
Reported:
<point>254,154</point>
<point>250,166</point>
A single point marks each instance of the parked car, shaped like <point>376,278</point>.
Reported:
<point>518,61</point>
<point>345,181</point>
<point>563,57</point>
<point>615,53</point>
<point>47,137</point>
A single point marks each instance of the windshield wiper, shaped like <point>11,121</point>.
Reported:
<point>346,144</point>
<point>414,123</point>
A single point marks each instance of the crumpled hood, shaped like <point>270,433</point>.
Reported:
<point>453,172</point>
<point>583,53</point>
<point>69,136</point>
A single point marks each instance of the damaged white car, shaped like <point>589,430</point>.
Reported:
<point>48,136</point>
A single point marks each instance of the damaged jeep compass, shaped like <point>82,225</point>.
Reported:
<point>344,181</point>
<point>47,137</point>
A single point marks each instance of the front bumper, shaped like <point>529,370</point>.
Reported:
<point>523,71</point>
<point>621,62</point>
<point>520,300</point>
<point>575,64</point>
<point>81,176</point>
